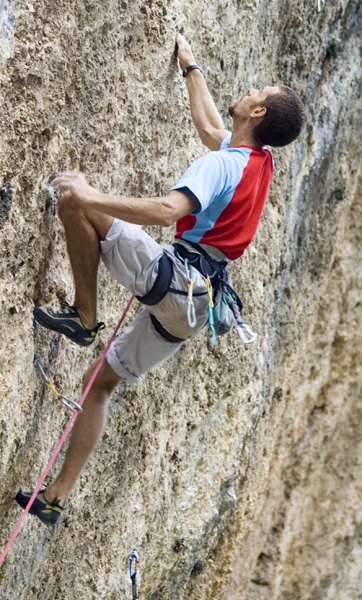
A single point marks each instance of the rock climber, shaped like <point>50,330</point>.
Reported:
<point>216,205</point>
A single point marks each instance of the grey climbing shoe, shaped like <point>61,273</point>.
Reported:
<point>47,512</point>
<point>69,322</point>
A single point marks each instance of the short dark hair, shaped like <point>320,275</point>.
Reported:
<point>284,119</point>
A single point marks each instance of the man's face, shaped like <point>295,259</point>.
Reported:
<point>251,100</point>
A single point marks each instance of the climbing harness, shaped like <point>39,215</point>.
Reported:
<point>133,570</point>
<point>161,284</point>
<point>68,402</point>
<point>64,436</point>
<point>225,306</point>
<point>165,334</point>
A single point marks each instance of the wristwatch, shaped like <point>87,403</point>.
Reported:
<point>191,68</point>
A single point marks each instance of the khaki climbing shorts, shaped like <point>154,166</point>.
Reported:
<point>132,256</point>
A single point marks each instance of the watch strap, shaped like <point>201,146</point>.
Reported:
<point>191,68</point>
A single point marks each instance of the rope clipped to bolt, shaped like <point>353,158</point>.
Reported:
<point>64,436</point>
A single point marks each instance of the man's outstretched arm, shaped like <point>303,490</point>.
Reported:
<point>205,115</point>
<point>162,211</point>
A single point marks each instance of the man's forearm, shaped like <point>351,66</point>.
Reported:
<point>204,113</point>
<point>164,210</point>
<point>140,211</point>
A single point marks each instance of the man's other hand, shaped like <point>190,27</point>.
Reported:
<point>73,184</point>
<point>184,52</point>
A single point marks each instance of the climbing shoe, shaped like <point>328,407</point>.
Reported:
<point>69,322</point>
<point>47,512</point>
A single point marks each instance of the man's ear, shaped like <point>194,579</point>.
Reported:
<point>259,111</point>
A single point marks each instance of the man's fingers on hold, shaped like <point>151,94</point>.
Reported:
<point>66,178</point>
<point>59,181</point>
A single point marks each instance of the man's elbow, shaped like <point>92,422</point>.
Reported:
<point>176,205</point>
<point>164,222</point>
<point>210,139</point>
<point>168,215</point>
<point>173,208</point>
<point>168,218</point>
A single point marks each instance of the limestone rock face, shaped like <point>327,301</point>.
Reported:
<point>235,471</point>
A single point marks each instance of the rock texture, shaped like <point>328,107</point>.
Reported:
<point>236,471</point>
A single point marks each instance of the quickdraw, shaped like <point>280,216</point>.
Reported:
<point>211,311</point>
<point>68,402</point>
<point>191,314</point>
<point>133,570</point>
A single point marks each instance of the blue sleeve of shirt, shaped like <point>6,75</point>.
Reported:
<point>206,179</point>
<point>225,143</point>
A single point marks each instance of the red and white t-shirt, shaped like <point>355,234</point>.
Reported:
<point>231,186</point>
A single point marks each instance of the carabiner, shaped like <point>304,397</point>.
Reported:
<point>133,562</point>
<point>133,570</point>
<point>246,334</point>
<point>191,314</point>
<point>211,306</point>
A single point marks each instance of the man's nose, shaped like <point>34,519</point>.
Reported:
<point>252,91</point>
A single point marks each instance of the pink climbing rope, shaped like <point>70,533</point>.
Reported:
<point>64,436</point>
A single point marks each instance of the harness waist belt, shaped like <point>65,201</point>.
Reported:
<point>206,265</point>
<point>201,260</point>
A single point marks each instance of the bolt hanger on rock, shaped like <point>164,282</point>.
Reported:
<point>68,402</point>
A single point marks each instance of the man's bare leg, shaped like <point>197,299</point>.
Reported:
<point>83,230</point>
<point>87,430</point>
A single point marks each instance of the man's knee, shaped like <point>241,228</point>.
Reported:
<point>66,209</point>
<point>70,212</point>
